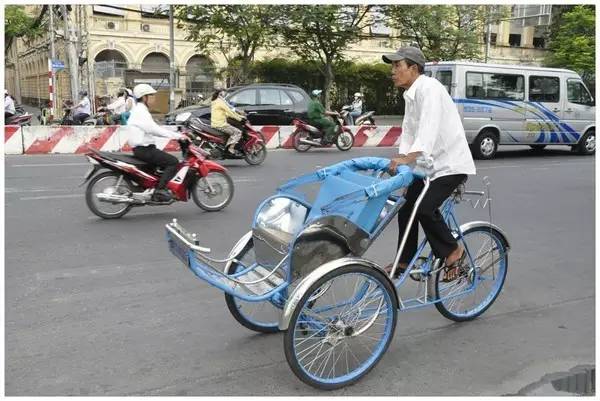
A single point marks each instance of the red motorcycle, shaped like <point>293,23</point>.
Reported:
<point>251,147</point>
<point>22,118</point>
<point>130,182</point>
<point>306,136</point>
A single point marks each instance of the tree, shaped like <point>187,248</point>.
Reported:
<point>237,31</point>
<point>442,32</point>
<point>321,33</point>
<point>18,24</point>
<point>573,41</point>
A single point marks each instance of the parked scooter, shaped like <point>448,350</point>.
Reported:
<point>363,119</point>
<point>306,136</point>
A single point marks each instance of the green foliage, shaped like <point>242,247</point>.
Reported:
<point>373,80</point>
<point>442,32</point>
<point>321,33</point>
<point>17,24</point>
<point>235,30</point>
<point>573,41</point>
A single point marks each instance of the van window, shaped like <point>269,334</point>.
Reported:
<point>445,77</point>
<point>577,93</point>
<point>544,89</point>
<point>428,73</point>
<point>495,86</point>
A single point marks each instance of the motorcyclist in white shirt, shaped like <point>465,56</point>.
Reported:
<point>431,128</point>
<point>9,106</point>
<point>357,106</point>
<point>142,133</point>
<point>117,107</point>
<point>83,109</point>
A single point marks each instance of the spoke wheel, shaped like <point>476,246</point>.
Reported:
<point>481,276</point>
<point>341,327</point>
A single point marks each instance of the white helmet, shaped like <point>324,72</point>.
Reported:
<point>142,90</point>
<point>129,92</point>
<point>358,94</point>
<point>316,92</point>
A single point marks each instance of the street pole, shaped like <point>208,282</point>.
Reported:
<point>171,62</point>
<point>489,34</point>
<point>52,81</point>
<point>73,62</point>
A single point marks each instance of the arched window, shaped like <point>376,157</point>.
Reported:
<point>200,76</point>
<point>110,63</point>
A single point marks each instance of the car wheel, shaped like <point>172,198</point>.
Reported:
<point>485,145</point>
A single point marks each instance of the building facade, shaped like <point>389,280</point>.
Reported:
<point>126,45</point>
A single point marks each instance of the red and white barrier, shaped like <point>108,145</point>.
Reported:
<point>77,139</point>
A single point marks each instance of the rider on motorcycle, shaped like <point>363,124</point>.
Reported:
<point>357,106</point>
<point>219,111</point>
<point>143,130</point>
<point>83,109</point>
<point>118,107</point>
<point>317,117</point>
<point>9,106</point>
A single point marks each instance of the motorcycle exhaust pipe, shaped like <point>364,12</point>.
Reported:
<point>309,142</point>
<point>112,198</point>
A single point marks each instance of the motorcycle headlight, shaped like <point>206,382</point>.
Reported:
<point>183,117</point>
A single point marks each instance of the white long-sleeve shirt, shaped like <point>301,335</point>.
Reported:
<point>433,126</point>
<point>143,129</point>
<point>118,106</point>
<point>9,105</point>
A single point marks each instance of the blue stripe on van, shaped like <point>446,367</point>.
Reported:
<point>539,111</point>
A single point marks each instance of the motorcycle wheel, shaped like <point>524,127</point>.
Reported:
<point>300,147</point>
<point>105,182</point>
<point>257,155</point>
<point>219,197</point>
<point>344,141</point>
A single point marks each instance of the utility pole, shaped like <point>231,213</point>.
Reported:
<point>171,62</point>
<point>489,33</point>
<point>72,53</point>
<point>52,81</point>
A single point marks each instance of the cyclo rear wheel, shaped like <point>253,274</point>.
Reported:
<point>341,327</point>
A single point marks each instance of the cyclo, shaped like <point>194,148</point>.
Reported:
<point>299,269</point>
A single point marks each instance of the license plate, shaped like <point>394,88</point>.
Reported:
<point>88,173</point>
<point>178,249</point>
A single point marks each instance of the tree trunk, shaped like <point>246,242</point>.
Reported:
<point>328,81</point>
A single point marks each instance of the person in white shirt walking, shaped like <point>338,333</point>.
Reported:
<point>142,132</point>
<point>431,128</point>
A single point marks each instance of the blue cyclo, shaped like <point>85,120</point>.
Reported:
<point>299,270</point>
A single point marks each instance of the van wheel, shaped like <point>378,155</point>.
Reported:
<point>485,145</point>
<point>537,148</point>
<point>587,144</point>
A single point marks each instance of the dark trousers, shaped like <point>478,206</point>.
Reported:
<point>7,116</point>
<point>79,118</point>
<point>157,157</point>
<point>428,215</point>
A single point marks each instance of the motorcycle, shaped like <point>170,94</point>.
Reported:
<point>306,136</point>
<point>363,119</point>
<point>21,118</point>
<point>130,182</point>
<point>251,147</point>
<point>67,118</point>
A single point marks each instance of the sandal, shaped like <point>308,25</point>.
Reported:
<point>452,272</point>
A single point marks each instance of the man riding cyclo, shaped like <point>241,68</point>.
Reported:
<point>317,116</point>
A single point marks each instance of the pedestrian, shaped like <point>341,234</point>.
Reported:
<point>431,128</point>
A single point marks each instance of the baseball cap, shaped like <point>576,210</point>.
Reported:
<point>410,53</point>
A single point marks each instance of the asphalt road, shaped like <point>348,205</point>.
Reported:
<point>99,307</point>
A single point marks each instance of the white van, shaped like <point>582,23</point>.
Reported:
<point>518,105</point>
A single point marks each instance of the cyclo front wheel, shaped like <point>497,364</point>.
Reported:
<point>341,327</point>
<point>481,277</point>
<point>263,316</point>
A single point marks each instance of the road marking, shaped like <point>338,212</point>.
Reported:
<point>53,197</point>
<point>50,164</point>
